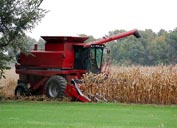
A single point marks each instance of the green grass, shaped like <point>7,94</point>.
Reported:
<point>81,115</point>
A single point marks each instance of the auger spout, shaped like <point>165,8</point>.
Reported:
<point>115,37</point>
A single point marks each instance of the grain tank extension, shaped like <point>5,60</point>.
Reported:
<point>54,71</point>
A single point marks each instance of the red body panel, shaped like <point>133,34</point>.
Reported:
<point>51,72</point>
<point>54,47</point>
<point>42,59</point>
<point>68,61</point>
<point>59,53</point>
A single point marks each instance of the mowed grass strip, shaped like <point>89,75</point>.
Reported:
<point>81,115</point>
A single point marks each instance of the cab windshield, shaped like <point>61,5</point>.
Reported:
<point>96,54</point>
<point>89,59</point>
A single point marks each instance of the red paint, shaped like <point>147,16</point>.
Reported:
<point>72,92</point>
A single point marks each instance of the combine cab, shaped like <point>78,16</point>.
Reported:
<point>55,70</point>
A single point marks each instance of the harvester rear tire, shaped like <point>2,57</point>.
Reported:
<point>55,87</point>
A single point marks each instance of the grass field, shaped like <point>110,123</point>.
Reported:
<point>20,114</point>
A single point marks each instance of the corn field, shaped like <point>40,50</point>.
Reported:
<point>149,85</point>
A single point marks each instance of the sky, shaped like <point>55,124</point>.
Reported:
<point>98,17</point>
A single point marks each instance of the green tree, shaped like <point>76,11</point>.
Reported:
<point>172,41</point>
<point>17,17</point>
<point>90,38</point>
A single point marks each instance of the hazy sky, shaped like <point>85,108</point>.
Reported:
<point>97,17</point>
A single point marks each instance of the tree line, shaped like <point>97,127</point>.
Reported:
<point>152,49</point>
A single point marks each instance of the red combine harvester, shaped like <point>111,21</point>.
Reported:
<point>55,70</point>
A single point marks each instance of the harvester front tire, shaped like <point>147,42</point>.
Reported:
<point>55,87</point>
<point>20,90</point>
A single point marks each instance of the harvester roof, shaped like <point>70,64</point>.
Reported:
<point>62,39</point>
